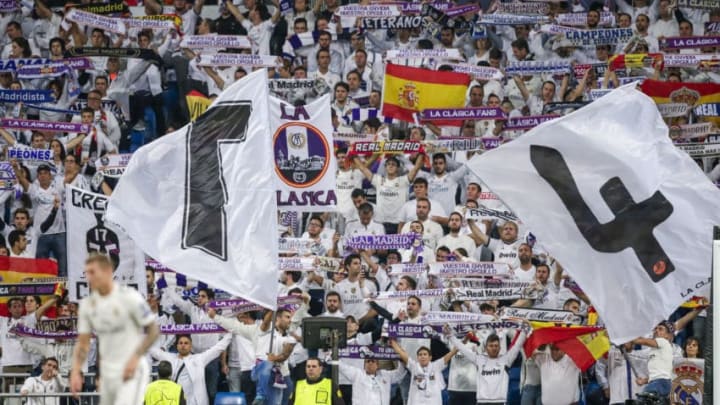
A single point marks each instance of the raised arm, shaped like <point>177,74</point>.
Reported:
<point>399,350</point>
<point>522,87</point>
<point>363,169</point>
<point>459,346</point>
<point>419,159</point>
<point>198,6</point>
<point>232,8</point>
<point>20,175</point>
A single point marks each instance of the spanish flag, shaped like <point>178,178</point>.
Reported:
<point>15,270</point>
<point>197,104</point>
<point>702,98</point>
<point>409,90</point>
<point>583,344</point>
<point>635,60</point>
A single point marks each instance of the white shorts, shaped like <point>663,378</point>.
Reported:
<point>113,391</point>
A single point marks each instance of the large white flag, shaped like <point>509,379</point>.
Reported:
<point>607,193</point>
<point>202,199</point>
<point>304,158</point>
<point>87,231</point>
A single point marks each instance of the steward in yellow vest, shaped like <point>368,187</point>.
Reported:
<point>164,391</point>
<point>315,390</point>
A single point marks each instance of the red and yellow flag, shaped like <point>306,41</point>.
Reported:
<point>197,104</point>
<point>635,60</point>
<point>703,99</point>
<point>14,270</point>
<point>409,90</point>
<point>584,344</point>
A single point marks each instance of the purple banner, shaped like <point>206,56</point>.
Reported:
<point>384,242</point>
<point>239,303</point>
<point>7,6</point>
<point>712,27</point>
<point>368,352</point>
<point>470,113</point>
<point>491,143</point>
<point>7,176</point>
<point>468,8</point>
<point>12,65</point>
<point>12,123</point>
<point>418,331</point>
<point>689,42</point>
<point>527,122</point>
<point>10,290</point>
<point>191,329</point>
<point>23,330</point>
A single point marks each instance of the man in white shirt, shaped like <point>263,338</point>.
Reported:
<point>45,195</point>
<point>454,240</point>
<point>18,245</point>
<point>365,225</point>
<point>46,383</point>
<point>333,305</point>
<point>14,359</point>
<point>492,375</point>
<point>117,315</point>
<point>189,369</point>
<point>559,377</point>
<point>505,249</point>
<point>526,270</point>
<point>21,222</point>
<point>371,385</point>
<point>420,189</point>
<point>432,231</point>
<point>354,290</point>
<point>661,359</point>
<point>442,185</point>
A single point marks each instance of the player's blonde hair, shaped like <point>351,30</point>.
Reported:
<point>99,259</point>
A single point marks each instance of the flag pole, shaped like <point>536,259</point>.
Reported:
<point>711,324</point>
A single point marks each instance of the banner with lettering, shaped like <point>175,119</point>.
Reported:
<point>479,72</point>
<point>699,4</point>
<point>37,72</point>
<point>454,269</point>
<point>109,8</point>
<point>395,22</point>
<point>670,110</point>
<point>87,232</point>
<point>692,94</point>
<point>367,148</point>
<point>7,176</point>
<point>529,122</point>
<point>16,272</point>
<point>30,156</point>
<point>12,65</point>
<point>26,96</point>
<point>368,352</point>
<point>542,315</point>
<point>364,11</point>
<point>215,42</point>
<point>689,42</point>
<point>13,123</point>
<point>468,113</point>
<point>83,19</point>
<point>610,36</point>
<point>8,6</point>
<point>304,158</point>
<point>238,59</point>
<point>700,150</point>
<point>113,165</point>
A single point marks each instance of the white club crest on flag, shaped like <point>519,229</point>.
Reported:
<point>304,158</point>
<point>608,194</point>
<point>202,199</point>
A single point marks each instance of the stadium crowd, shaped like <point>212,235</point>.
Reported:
<point>125,101</point>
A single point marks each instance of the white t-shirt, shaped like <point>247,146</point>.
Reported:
<point>459,241</point>
<point>505,252</point>
<point>559,379</point>
<point>444,188</point>
<point>260,36</point>
<point>353,297</point>
<point>426,383</point>
<point>409,210</point>
<point>345,183</point>
<point>523,275</point>
<point>391,196</point>
<point>660,361</point>
<point>12,351</point>
<point>432,232</point>
<point>118,319</point>
<point>43,200</point>
<point>463,372</point>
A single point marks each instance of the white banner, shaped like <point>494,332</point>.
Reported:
<point>402,295</point>
<point>87,232</point>
<point>682,60</point>
<point>443,317</point>
<point>215,42</point>
<point>83,18</point>
<point>238,59</point>
<point>423,53</point>
<point>148,24</point>
<point>487,214</point>
<point>304,160</point>
<point>202,200</point>
<point>453,269</point>
<point>620,213</point>
<point>541,315</point>
<point>670,110</point>
<point>370,11</point>
<point>400,269</point>
<point>487,294</point>
<point>698,150</point>
<point>113,165</point>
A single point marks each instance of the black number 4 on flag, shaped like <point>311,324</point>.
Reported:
<point>634,221</point>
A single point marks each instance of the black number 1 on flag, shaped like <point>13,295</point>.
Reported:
<point>204,218</point>
<point>634,221</point>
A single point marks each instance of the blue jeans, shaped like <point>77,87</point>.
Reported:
<point>660,387</point>
<point>53,243</point>
<point>531,395</point>
<point>263,377</point>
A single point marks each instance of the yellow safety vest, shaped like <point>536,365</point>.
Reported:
<point>163,392</point>
<point>313,394</point>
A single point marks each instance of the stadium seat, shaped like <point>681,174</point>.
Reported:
<point>230,398</point>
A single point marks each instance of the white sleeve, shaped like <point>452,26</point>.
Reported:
<point>139,309</point>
